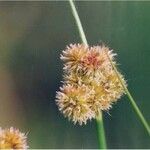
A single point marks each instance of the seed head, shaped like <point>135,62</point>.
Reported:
<point>73,55</point>
<point>12,139</point>
<point>96,59</point>
<point>90,82</point>
<point>108,90</point>
<point>74,103</point>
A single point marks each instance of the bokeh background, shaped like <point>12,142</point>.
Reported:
<point>32,36</point>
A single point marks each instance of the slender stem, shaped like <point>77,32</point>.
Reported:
<point>101,131</point>
<point>78,22</point>
<point>99,119</point>
<point>137,110</point>
<point>132,101</point>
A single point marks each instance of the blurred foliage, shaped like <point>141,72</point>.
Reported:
<point>32,36</point>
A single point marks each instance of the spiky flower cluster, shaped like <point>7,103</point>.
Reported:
<point>12,139</point>
<point>90,83</point>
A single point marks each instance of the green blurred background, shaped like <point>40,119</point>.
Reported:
<point>32,36</point>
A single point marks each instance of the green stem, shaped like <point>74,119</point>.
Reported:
<point>101,131</point>
<point>78,22</point>
<point>137,110</point>
<point>132,101</point>
<point>99,119</point>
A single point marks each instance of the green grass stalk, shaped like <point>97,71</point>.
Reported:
<point>101,131</point>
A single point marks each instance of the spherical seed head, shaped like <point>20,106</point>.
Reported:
<point>97,59</point>
<point>73,102</point>
<point>90,82</point>
<point>83,59</point>
<point>12,139</point>
<point>73,55</point>
<point>101,99</point>
<point>107,90</point>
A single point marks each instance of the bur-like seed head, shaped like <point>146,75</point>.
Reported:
<point>74,103</point>
<point>90,82</point>
<point>107,91</point>
<point>83,59</point>
<point>73,55</point>
<point>96,59</point>
<point>12,139</point>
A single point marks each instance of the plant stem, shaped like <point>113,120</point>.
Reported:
<point>78,22</point>
<point>99,119</point>
<point>131,99</point>
<point>101,131</point>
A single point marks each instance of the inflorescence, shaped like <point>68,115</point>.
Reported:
<point>12,139</point>
<point>90,82</point>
